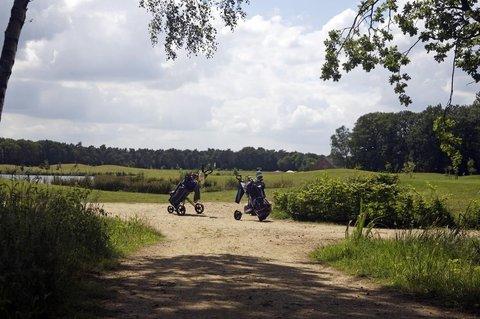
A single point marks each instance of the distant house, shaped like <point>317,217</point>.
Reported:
<point>323,163</point>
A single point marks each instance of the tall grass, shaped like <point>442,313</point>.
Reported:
<point>47,238</point>
<point>126,236</point>
<point>443,264</point>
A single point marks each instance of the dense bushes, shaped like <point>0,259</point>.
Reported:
<point>46,237</point>
<point>389,204</point>
<point>49,239</point>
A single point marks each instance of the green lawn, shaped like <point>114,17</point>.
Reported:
<point>459,191</point>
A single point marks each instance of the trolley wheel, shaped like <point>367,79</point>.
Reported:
<point>170,209</point>
<point>181,210</point>
<point>199,208</point>
<point>237,215</point>
<point>262,217</point>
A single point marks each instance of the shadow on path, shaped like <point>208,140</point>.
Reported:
<point>233,286</point>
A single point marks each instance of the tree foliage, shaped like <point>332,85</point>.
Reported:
<point>471,167</point>
<point>29,153</point>
<point>190,24</point>
<point>449,143</point>
<point>380,139</point>
<point>340,148</point>
<point>187,24</point>
<point>442,26</point>
<point>409,168</point>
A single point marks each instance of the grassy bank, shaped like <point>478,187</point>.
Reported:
<point>442,265</point>
<point>50,238</point>
<point>127,236</point>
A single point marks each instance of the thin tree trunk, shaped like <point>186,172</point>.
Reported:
<point>10,44</point>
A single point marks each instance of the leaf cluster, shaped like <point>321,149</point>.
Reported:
<point>190,24</point>
<point>449,143</point>
<point>372,39</point>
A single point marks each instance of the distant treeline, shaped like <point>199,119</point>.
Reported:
<point>389,141</point>
<point>29,153</point>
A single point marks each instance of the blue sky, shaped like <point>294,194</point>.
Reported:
<point>312,13</point>
<point>86,71</point>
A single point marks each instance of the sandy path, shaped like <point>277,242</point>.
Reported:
<point>212,266</point>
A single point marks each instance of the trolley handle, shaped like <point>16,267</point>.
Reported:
<point>206,170</point>
<point>238,176</point>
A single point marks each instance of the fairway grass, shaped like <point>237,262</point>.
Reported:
<point>459,192</point>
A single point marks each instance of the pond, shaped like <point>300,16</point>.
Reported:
<point>46,179</point>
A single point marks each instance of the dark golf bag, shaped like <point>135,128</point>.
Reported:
<point>183,189</point>
<point>257,200</point>
<point>180,195</point>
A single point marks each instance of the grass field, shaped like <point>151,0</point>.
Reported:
<point>459,191</point>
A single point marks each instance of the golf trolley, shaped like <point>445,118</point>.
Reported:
<point>258,204</point>
<point>190,183</point>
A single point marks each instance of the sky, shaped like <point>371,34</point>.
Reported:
<point>86,72</point>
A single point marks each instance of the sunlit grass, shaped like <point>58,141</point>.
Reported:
<point>440,264</point>
<point>127,236</point>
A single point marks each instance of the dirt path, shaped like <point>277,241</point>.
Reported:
<point>212,266</point>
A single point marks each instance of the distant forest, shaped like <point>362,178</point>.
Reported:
<point>389,141</point>
<point>29,153</point>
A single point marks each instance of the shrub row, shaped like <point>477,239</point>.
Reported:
<point>136,184</point>
<point>32,171</point>
<point>388,203</point>
<point>139,183</point>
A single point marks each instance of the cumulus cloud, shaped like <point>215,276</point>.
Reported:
<point>86,71</point>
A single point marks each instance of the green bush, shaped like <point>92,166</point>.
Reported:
<point>46,237</point>
<point>324,200</point>
<point>49,238</point>
<point>386,202</point>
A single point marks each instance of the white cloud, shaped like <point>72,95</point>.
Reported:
<point>90,74</point>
